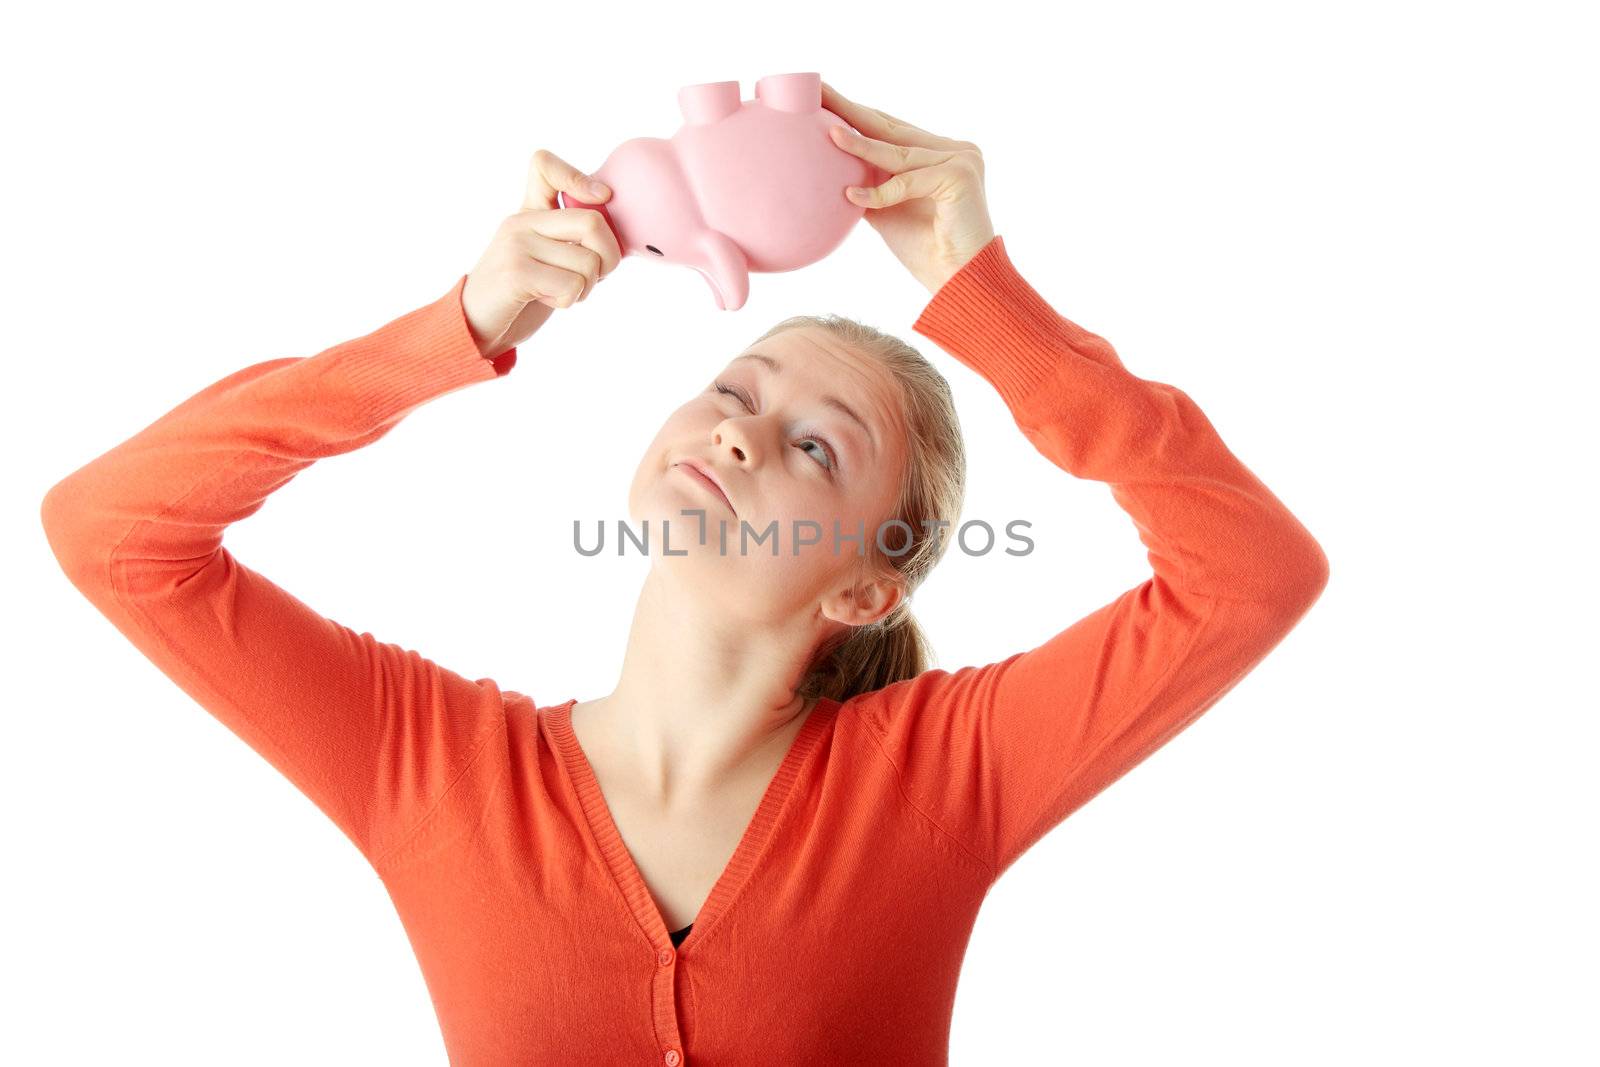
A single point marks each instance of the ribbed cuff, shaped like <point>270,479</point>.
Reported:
<point>421,355</point>
<point>990,318</point>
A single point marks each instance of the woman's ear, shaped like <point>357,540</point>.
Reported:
<point>867,601</point>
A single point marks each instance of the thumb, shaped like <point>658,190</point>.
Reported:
<point>549,173</point>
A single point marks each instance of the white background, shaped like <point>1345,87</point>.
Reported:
<point>1360,236</point>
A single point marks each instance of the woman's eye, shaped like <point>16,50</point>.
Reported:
<point>827,449</point>
<point>733,393</point>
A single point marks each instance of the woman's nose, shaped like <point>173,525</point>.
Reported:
<point>732,438</point>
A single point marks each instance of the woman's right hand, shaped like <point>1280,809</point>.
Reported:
<point>541,258</point>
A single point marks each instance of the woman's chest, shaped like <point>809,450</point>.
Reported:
<point>680,856</point>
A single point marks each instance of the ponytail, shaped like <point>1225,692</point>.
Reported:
<point>870,657</point>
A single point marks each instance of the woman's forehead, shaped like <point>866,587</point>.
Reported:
<point>812,354</point>
<point>811,359</point>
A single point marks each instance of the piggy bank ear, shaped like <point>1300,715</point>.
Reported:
<point>726,269</point>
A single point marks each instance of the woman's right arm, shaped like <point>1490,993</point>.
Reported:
<point>372,733</point>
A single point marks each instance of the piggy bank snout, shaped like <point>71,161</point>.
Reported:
<point>566,200</point>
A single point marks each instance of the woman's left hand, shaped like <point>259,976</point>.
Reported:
<point>932,212</point>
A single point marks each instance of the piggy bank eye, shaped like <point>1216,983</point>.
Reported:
<point>656,250</point>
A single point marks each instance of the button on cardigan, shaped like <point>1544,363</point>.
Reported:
<point>837,930</point>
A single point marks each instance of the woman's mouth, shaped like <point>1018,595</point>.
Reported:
<point>706,480</point>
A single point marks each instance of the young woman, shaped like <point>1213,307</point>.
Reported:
<point>769,843</point>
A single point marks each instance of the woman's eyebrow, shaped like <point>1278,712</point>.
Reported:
<point>832,401</point>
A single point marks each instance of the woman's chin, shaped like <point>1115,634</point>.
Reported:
<point>676,532</point>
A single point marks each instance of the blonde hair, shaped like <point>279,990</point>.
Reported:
<point>894,648</point>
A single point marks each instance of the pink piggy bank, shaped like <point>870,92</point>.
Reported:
<point>743,186</point>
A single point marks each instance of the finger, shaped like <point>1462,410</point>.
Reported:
<point>886,156</point>
<point>938,182</point>
<point>565,273</point>
<point>876,123</point>
<point>550,286</point>
<point>576,224</point>
<point>548,173</point>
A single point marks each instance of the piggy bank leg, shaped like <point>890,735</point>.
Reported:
<point>710,102</point>
<point>799,93</point>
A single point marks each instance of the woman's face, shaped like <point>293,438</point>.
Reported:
<point>767,432</point>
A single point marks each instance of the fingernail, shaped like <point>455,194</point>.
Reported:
<point>595,188</point>
<point>840,132</point>
<point>855,192</point>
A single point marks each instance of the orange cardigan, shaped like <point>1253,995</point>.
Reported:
<point>836,933</point>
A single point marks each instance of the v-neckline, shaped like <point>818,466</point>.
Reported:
<point>625,872</point>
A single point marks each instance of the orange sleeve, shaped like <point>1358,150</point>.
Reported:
<point>998,755</point>
<point>372,733</point>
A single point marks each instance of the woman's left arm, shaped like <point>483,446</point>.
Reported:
<point>996,756</point>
